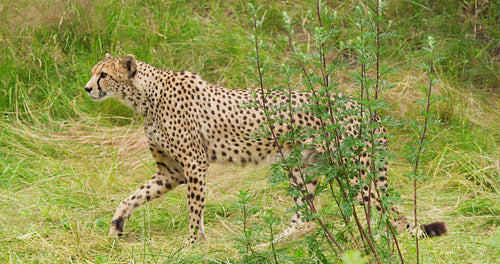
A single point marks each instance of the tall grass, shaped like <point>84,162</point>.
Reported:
<point>65,162</point>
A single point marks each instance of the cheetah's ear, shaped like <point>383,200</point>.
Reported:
<point>128,61</point>
<point>108,56</point>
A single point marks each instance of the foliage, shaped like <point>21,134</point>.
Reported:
<point>66,162</point>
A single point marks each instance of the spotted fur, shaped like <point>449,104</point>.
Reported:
<point>190,123</point>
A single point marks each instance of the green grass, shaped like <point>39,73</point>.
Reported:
<point>66,162</point>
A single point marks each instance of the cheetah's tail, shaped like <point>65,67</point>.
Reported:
<point>435,229</point>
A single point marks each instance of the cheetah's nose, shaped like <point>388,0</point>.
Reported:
<point>88,89</point>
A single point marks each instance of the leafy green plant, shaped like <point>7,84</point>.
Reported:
<point>340,162</point>
<point>247,239</point>
<point>336,165</point>
<point>414,152</point>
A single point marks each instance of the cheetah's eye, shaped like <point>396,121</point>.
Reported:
<point>103,75</point>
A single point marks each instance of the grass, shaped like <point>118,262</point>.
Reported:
<point>66,162</point>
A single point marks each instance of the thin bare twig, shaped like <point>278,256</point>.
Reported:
<point>420,149</point>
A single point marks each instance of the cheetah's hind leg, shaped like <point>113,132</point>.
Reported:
<point>299,225</point>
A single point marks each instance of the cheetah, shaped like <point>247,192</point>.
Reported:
<point>190,123</point>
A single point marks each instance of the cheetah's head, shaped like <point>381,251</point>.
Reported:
<point>111,77</point>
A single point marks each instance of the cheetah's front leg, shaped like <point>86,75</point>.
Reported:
<point>161,183</point>
<point>195,176</point>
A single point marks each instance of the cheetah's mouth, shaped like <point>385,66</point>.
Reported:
<point>102,96</point>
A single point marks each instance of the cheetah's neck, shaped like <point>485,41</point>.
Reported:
<point>146,88</point>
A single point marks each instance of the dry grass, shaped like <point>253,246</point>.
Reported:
<point>65,214</point>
